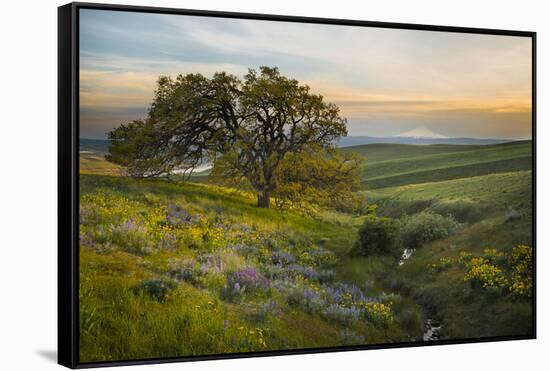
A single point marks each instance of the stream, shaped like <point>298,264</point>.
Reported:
<point>432,330</point>
<point>407,253</point>
<point>432,327</point>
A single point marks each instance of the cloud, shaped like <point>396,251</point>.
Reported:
<point>398,77</point>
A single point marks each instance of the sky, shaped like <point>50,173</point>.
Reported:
<point>385,81</point>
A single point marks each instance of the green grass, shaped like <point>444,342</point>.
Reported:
<point>468,312</point>
<point>118,213</point>
<point>385,151</point>
<point>423,167</point>
<point>482,202</point>
<point>468,199</point>
<point>127,238</point>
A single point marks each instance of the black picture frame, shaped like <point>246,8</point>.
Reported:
<point>68,180</point>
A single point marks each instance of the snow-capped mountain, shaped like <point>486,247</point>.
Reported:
<point>421,132</point>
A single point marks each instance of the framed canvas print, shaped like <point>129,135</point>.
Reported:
<point>236,185</point>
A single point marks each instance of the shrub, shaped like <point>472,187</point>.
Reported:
<point>305,298</point>
<point>409,315</point>
<point>184,269</point>
<point>521,262</point>
<point>305,272</point>
<point>221,261</point>
<point>494,256</point>
<point>132,237</point>
<point>342,315</point>
<point>464,258</point>
<point>259,313</point>
<point>322,257</point>
<point>443,264</point>
<point>326,276</point>
<point>168,241</point>
<point>248,279</point>
<point>282,258</point>
<point>425,227</point>
<point>156,288</point>
<point>463,211</point>
<point>378,236</point>
<point>177,216</point>
<point>247,251</point>
<point>379,314</point>
<point>486,275</point>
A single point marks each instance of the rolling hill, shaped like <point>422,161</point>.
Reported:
<point>389,165</point>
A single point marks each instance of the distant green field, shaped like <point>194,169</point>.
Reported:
<point>385,151</point>
<point>453,172</point>
<point>438,163</point>
<point>470,198</point>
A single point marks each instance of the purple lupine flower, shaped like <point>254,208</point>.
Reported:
<point>248,279</point>
<point>168,241</point>
<point>306,272</point>
<point>282,258</point>
<point>177,215</point>
<point>210,263</point>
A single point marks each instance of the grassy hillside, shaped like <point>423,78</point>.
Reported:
<point>160,259</point>
<point>387,151</point>
<point>94,163</point>
<point>489,190</point>
<point>423,165</point>
<point>468,199</point>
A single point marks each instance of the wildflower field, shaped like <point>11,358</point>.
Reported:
<point>171,268</point>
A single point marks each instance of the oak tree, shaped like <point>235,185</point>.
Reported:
<point>252,124</point>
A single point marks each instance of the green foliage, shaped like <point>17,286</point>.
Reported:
<point>521,261</point>
<point>379,314</point>
<point>464,258</point>
<point>486,275</point>
<point>442,265</point>
<point>156,288</point>
<point>252,123</point>
<point>378,236</point>
<point>409,315</point>
<point>495,256</point>
<point>424,227</point>
<point>319,178</point>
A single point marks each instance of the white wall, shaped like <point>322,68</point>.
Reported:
<point>28,183</point>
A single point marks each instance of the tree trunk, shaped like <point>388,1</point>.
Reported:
<point>264,199</point>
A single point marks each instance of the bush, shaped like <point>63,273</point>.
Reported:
<point>342,315</point>
<point>305,298</point>
<point>425,227</point>
<point>131,237</point>
<point>156,288</point>
<point>378,236</point>
<point>184,269</point>
<point>444,264</point>
<point>494,256</point>
<point>483,274</point>
<point>464,258</point>
<point>521,261</point>
<point>379,314</point>
<point>248,279</point>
